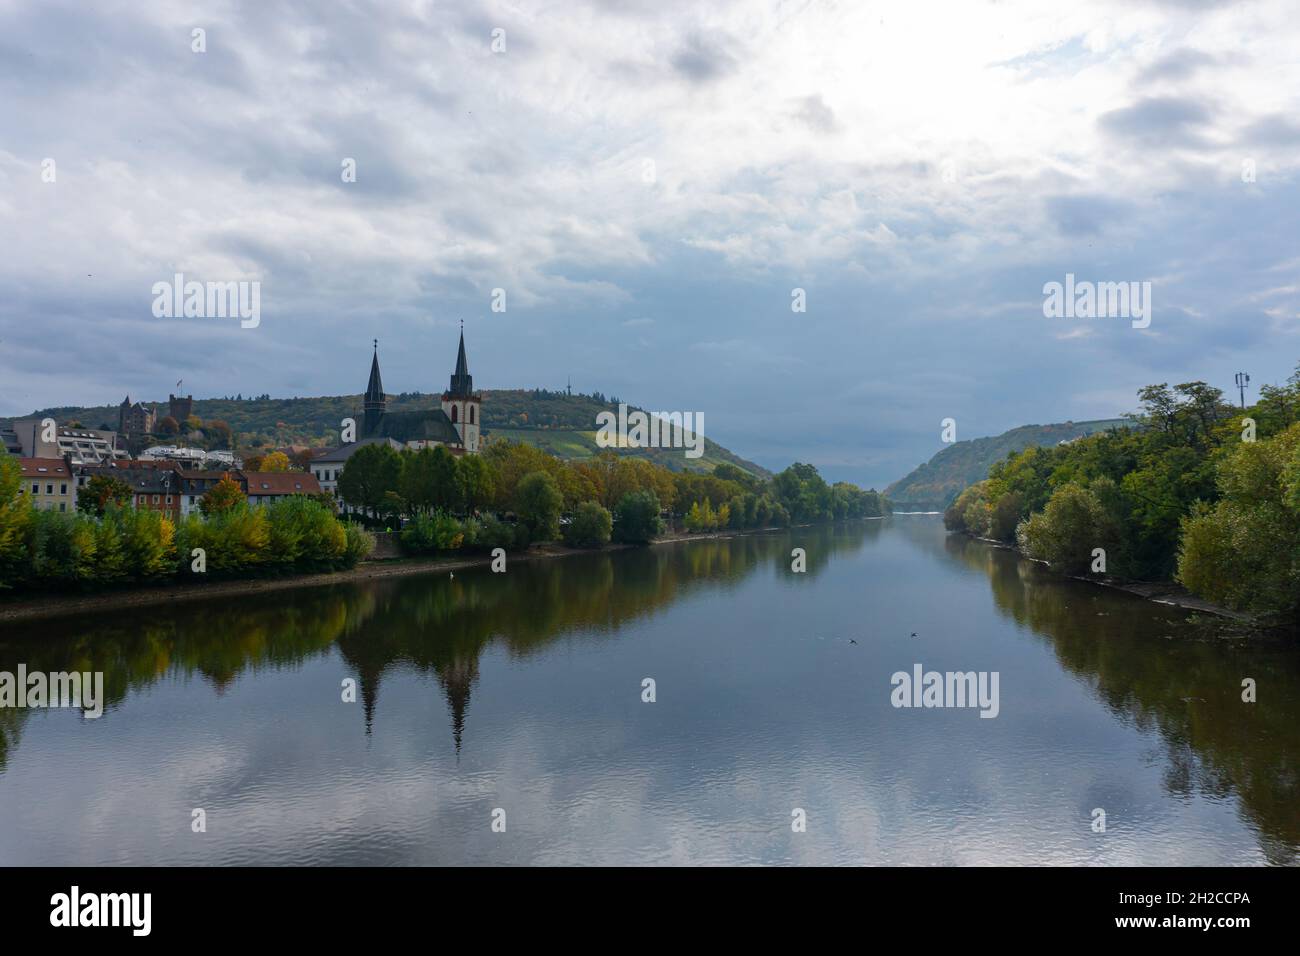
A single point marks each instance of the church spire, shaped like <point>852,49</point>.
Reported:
<point>462,383</point>
<point>376,401</point>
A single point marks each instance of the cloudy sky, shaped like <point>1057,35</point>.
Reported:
<point>648,181</point>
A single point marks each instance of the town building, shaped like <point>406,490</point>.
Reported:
<point>155,486</point>
<point>49,482</point>
<point>82,446</point>
<point>327,467</point>
<point>195,484</point>
<point>268,487</point>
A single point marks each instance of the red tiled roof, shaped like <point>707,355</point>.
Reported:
<point>36,467</point>
<point>281,483</point>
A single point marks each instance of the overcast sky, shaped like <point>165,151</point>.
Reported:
<point>648,182</point>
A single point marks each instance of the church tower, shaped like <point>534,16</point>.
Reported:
<point>376,402</point>
<point>461,403</point>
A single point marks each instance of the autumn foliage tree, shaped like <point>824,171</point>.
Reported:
<point>222,497</point>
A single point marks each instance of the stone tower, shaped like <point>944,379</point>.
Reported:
<point>461,403</point>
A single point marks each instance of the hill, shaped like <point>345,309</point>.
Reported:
<point>563,424</point>
<point>934,485</point>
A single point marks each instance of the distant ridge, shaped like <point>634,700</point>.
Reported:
<point>934,485</point>
<point>562,423</point>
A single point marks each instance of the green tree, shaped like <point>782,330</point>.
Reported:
<point>430,481</point>
<point>1244,551</point>
<point>590,527</point>
<point>636,518</point>
<point>803,493</point>
<point>538,502</point>
<point>15,523</point>
<point>369,475</point>
<point>1066,532</point>
<point>477,481</point>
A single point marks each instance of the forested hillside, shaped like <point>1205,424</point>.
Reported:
<point>563,424</point>
<point>936,484</point>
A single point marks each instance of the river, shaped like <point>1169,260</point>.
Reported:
<point>502,719</point>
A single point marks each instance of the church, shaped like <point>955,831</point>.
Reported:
<point>455,425</point>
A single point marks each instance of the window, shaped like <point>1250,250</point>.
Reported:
<point>49,488</point>
<point>169,499</point>
<point>36,487</point>
<point>63,488</point>
<point>471,414</point>
<point>155,499</point>
<point>453,414</point>
<point>63,506</point>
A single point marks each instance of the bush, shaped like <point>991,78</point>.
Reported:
<point>427,533</point>
<point>636,518</point>
<point>304,535</point>
<point>358,543</point>
<point>590,527</point>
<point>490,532</point>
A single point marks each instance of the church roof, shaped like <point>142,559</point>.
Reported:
<point>426,425</point>
<point>344,452</point>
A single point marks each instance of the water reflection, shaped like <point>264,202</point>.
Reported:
<point>1151,669</point>
<point>1166,670</point>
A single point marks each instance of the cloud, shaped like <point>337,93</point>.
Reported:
<point>1159,121</point>
<point>702,59</point>
<point>813,112</point>
<point>915,182</point>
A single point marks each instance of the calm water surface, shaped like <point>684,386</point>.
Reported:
<point>522,691</point>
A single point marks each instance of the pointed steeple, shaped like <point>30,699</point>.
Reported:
<point>462,383</point>
<point>376,402</point>
<point>375,390</point>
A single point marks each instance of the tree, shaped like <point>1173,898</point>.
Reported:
<point>222,497</point>
<point>168,426</point>
<point>101,491</point>
<point>429,480</point>
<point>477,481</point>
<point>1244,551</point>
<point>276,461</point>
<point>537,503</point>
<point>1066,532</point>
<point>15,522</point>
<point>369,475</point>
<point>590,527</point>
<point>636,518</point>
<point>218,433</point>
<point>803,492</point>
